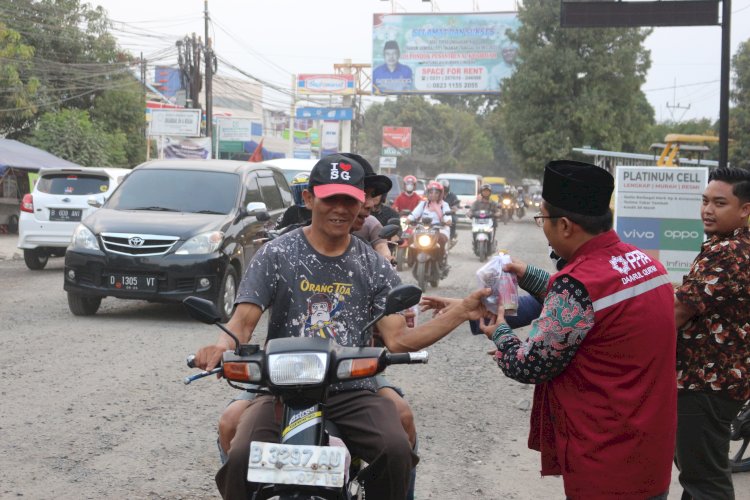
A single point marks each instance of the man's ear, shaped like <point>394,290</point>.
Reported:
<point>567,225</point>
<point>307,197</point>
<point>745,209</point>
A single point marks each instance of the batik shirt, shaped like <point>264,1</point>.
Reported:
<point>713,347</point>
<point>566,318</point>
<point>313,295</point>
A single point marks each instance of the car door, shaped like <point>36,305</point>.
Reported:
<point>251,229</point>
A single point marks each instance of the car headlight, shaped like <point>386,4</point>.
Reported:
<point>424,240</point>
<point>204,243</point>
<point>297,368</point>
<point>84,239</point>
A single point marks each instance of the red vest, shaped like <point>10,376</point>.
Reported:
<point>607,422</point>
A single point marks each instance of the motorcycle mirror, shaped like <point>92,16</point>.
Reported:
<point>394,220</point>
<point>205,311</point>
<point>402,297</point>
<point>389,231</point>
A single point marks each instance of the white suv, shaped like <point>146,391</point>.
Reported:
<point>58,203</point>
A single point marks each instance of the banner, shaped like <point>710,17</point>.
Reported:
<point>329,142</point>
<point>442,53</point>
<point>325,84</point>
<point>184,147</point>
<point>657,209</point>
<point>396,141</point>
<point>185,122</point>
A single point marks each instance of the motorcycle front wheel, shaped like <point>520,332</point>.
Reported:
<point>482,251</point>
<point>421,275</point>
<point>400,259</point>
<point>740,430</point>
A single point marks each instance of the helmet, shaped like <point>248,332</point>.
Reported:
<point>485,186</point>
<point>435,185</point>
<point>446,184</point>
<point>410,179</point>
<point>299,184</point>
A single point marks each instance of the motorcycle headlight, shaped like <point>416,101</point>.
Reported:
<point>84,239</point>
<point>424,240</point>
<point>297,368</point>
<point>506,201</point>
<point>204,243</point>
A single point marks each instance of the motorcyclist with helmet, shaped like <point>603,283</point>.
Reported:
<point>454,203</point>
<point>484,202</point>
<point>297,213</point>
<point>440,212</point>
<point>409,199</point>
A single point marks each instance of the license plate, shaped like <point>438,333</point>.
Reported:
<point>130,282</point>
<point>276,463</point>
<point>65,214</point>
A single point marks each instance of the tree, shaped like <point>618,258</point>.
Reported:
<point>19,88</point>
<point>739,123</point>
<point>572,87</point>
<point>444,139</point>
<point>70,134</point>
<point>122,110</point>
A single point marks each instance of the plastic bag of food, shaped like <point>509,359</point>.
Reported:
<point>504,285</point>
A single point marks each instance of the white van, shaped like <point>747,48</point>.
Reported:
<point>291,166</point>
<point>465,187</point>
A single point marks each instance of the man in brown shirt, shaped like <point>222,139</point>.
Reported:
<point>712,313</point>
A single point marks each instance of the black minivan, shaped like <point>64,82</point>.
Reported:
<point>174,228</point>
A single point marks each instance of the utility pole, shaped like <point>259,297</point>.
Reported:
<point>726,16</point>
<point>210,61</point>
<point>670,107</point>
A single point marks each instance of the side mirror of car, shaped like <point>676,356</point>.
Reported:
<point>93,201</point>
<point>258,210</point>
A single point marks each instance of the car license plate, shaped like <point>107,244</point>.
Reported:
<point>275,463</point>
<point>131,282</point>
<point>65,214</point>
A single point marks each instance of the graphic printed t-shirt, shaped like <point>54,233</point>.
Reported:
<point>312,295</point>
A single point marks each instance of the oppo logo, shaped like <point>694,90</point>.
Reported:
<point>681,235</point>
<point>634,233</point>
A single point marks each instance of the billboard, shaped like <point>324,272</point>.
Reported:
<point>442,53</point>
<point>396,141</point>
<point>657,209</point>
<point>325,84</point>
<point>185,122</point>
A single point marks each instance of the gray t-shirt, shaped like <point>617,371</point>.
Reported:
<point>370,231</point>
<point>312,295</point>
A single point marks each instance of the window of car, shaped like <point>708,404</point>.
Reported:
<point>73,184</point>
<point>270,191</point>
<point>196,191</point>
<point>463,187</point>
<point>252,191</point>
<point>286,193</point>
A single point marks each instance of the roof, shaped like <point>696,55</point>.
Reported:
<point>226,166</point>
<point>19,155</point>
<point>458,176</point>
<point>291,163</point>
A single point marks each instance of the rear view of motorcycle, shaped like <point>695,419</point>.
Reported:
<point>309,461</point>
<point>740,431</point>
<point>482,234</point>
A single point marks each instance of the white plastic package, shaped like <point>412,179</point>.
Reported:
<point>504,285</point>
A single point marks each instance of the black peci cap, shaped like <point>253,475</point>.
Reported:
<point>577,187</point>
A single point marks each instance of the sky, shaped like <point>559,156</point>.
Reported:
<point>275,39</point>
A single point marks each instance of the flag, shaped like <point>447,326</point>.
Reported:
<point>258,153</point>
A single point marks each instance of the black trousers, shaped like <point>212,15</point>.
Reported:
<point>371,429</point>
<point>702,451</point>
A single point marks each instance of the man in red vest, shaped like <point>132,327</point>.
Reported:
<point>601,354</point>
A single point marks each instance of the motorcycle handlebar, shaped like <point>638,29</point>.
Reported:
<point>190,360</point>
<point>407,358</point>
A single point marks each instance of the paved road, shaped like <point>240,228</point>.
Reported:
<point>95,408</point>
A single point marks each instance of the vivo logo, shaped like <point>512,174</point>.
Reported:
<point>634,233</point>
<point>681,235</point>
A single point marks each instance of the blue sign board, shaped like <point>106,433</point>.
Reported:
<point>337,114</point>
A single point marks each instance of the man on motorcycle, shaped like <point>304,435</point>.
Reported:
<point>485,203</point>
<point>383,212</point>
<point>409,199</point>
<point>297,213</point>
<point>439,211</point>
<point>454,203</point>
<point>322,258</point>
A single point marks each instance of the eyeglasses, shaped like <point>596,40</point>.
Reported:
<point>539,218</point>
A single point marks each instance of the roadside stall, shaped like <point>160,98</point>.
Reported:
<point>19,164</point>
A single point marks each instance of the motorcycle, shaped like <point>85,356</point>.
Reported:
<point>507,207</point>
<point>310,461</point>
<point>536,201</point>
<point>404,258</point>
<point>740,431</point>
<point>482,233</point>
<point>520,207</point>
<point>429,266</point>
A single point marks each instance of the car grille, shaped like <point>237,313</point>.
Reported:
<point>138,244</point>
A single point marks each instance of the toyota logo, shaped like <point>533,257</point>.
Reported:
<point>136,241</point>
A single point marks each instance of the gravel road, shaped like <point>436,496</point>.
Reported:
<point>95,407</point>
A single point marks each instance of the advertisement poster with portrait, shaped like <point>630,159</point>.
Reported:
<point>658,209</point>
<point>442,53</point>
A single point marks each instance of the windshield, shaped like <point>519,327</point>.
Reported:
<point>74,184</point>
<point>497,188</point>
<point>178,191</point>
<point>463,187</point>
